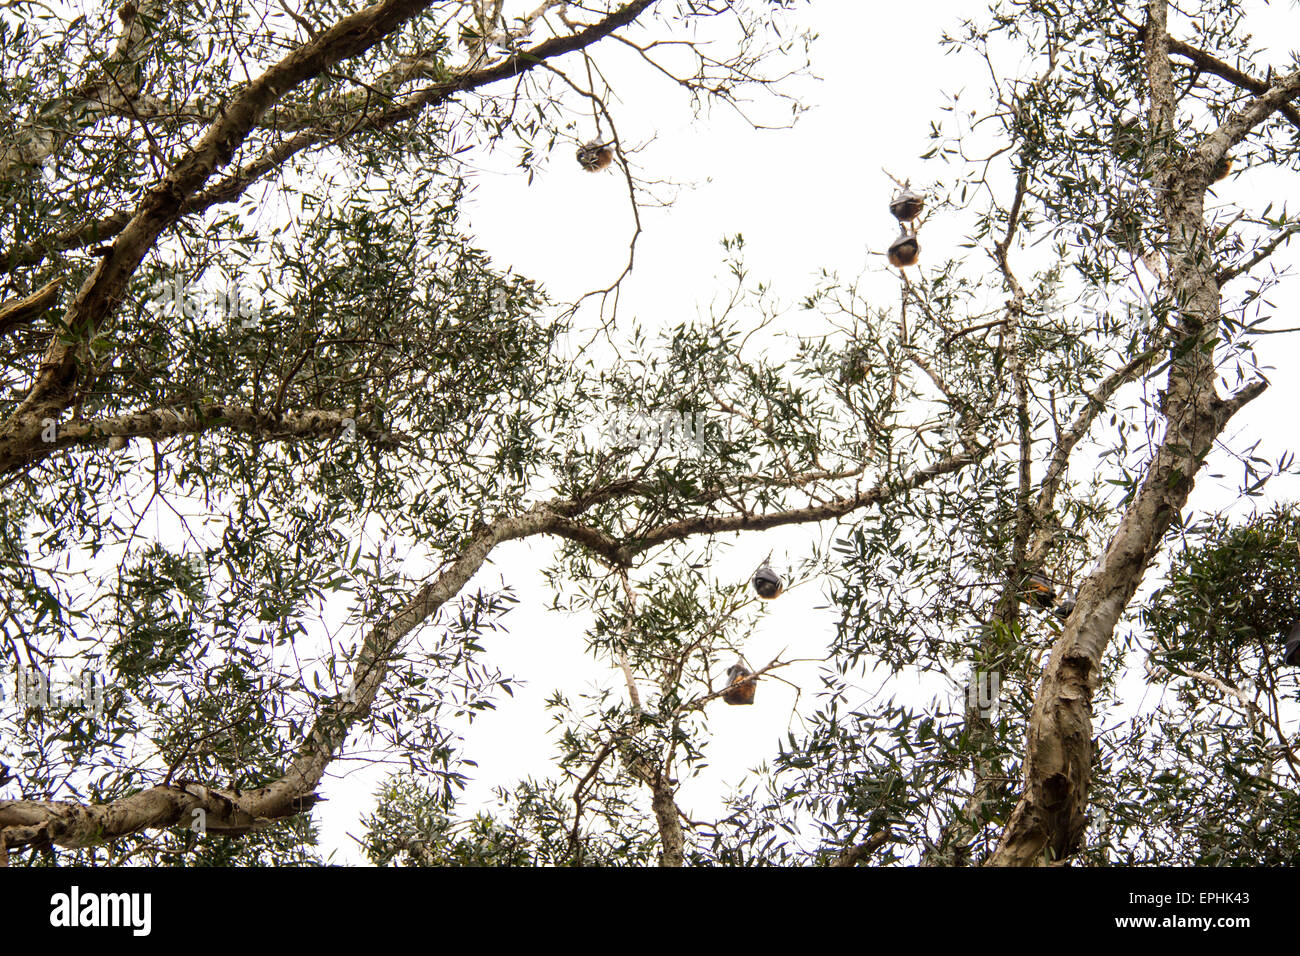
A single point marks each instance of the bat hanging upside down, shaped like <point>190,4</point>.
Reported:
<point>768,583</point>
<point>739,689</point>
<point>905,250</point>
<point>595,156</point>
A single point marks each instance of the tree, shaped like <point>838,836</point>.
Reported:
<point>384,409</point>
<point>1220,755</point>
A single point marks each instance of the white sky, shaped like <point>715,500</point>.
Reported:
<point>805,199</point>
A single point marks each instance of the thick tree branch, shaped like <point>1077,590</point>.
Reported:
<point>44,823</point>
<point>1050,818</point>
<point>718,524</point>
<point>159,423</point>
<point>1207,63</point>
<point>1244,119</point>
<point>24,310</point>
<point>672,841</point>
<point>1048,822</point>
<point>852,856</point>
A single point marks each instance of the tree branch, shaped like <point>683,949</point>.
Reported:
<point>93,99</point>
<point>24,310</point>
<point>1210,64</point>
<point>158,423</point>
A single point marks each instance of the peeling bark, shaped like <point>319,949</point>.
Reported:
<point>35,444</point>
<point>21,311</point>
<point>41,824</point>
<point>672,842</point>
